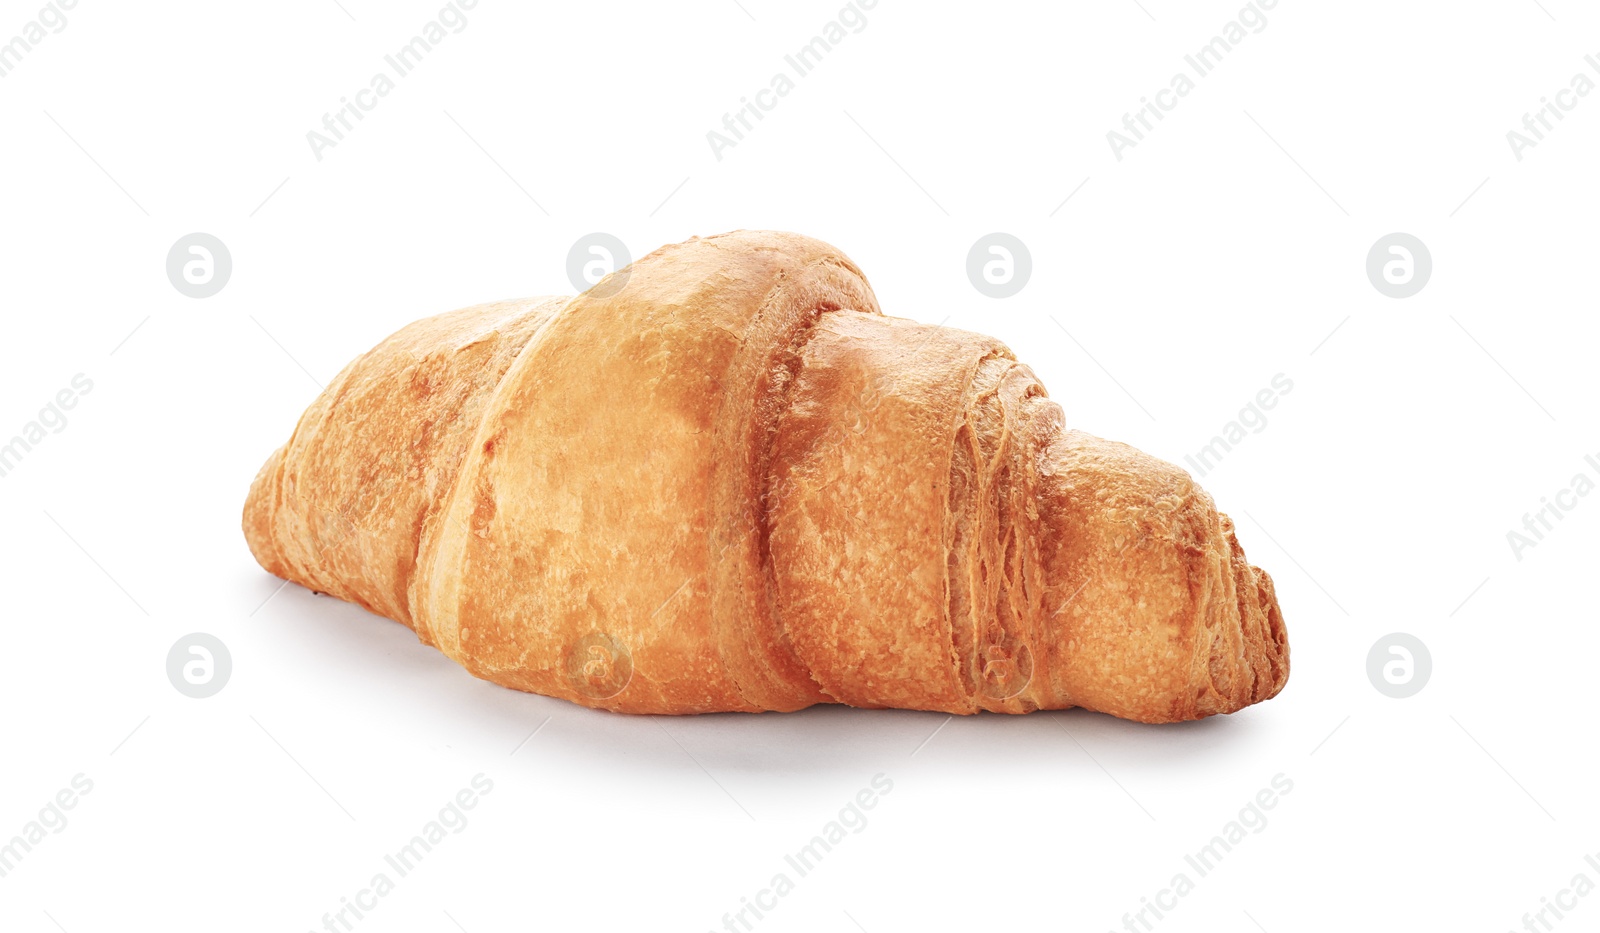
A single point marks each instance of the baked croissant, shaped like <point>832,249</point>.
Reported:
<point>721,479</point>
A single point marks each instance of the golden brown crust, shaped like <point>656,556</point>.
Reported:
<point>860,538</point>
<point>343,506</point>
<point>732,484</point>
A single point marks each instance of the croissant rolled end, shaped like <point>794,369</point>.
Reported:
<point>1238,643</point>
<point>256,521</point>
<point>1258,661</point>
<point>1274,650</point>
<point>1165,620</point>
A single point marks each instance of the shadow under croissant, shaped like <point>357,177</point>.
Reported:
<point>382,663</point>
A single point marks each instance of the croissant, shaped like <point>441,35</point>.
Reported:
<point>721,479</point>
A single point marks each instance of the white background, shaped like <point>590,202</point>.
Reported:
<point>1226,248</point>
